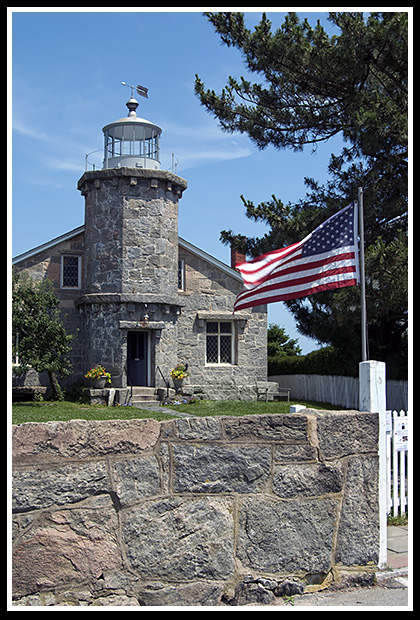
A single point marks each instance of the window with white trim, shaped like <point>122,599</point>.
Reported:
<point>70,271</point>
<point>220,342</point>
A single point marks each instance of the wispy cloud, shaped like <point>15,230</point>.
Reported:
<point>194,145</point>
<point>196,157</point>
<point>204,131</point>
<point>48,148</point>
<point>64,164</point>
<point>28,131</point>
<point>203,143</point>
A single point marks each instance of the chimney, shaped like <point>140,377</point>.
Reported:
<point>236,257</point>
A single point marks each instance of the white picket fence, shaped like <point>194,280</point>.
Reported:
<point>397,462</point>
<point>338,390</point>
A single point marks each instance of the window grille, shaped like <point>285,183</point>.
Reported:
<point>70,271</point>
<point>181,274</point>
<point>219,342</point>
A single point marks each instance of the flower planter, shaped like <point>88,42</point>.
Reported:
<point>178,374</point>
<point>178,383</point>
<point>98,376</point>
<point>99,383</point>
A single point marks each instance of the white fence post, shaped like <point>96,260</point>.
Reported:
<point>372,397</point>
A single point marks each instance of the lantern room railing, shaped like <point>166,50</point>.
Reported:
<point>95,161</point>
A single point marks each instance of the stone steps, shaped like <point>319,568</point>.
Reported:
<point>145,396</point>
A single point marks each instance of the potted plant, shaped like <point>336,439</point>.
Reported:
<point>99,376</point>
<point>178,375</point>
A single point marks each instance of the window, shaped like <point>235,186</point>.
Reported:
<point>181,274</point>
<point>70,271</point>
<point>219,342</point>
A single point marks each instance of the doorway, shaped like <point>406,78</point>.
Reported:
<point>138,358</point>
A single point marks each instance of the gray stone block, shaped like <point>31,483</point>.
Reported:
<point>181,539</point>
<point>304,480</point>
<point>38,488</point>
<point>204,468</point>
<point>136,479</point>
<point>287,536</point>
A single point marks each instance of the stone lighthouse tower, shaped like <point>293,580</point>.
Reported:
<point>130,303</point>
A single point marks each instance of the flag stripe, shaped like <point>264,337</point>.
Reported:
<point>312,268</point>
<point>268,258</point>
<point>297,283</point>
<point>284,283</point>
<point>255,272</point>
<point>326,259</point>
<point>300,266</point>
<point>295,294</point>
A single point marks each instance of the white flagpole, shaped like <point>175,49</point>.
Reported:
<point>362,276</point>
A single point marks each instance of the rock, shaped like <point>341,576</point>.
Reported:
<point>199,593</point>
<point>66,546</point>
<point>218,511</point>
<point>347,432</point>
<point>289,587</point>
<point>82,438</point>
<point>38,488</point>
<point>180,539</point>
<point>205,468</point>
<point>247,593</point>
<point>272,427</point>
<point>287,537</point>
<point>308,480</point>
<point>136,479</point>
<point>358,538</point>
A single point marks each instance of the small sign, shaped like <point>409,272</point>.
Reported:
<point>388,419</point>
<point>400,434</point>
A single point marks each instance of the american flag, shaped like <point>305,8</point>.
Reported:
<point>327,258</point>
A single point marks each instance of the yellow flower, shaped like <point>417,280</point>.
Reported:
<point>98,371</point>
<point>180,371</point>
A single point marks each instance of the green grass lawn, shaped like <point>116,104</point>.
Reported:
<point>64,410</point>
<point>241,407</point>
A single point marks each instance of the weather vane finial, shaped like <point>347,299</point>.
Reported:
<point>140,90</point>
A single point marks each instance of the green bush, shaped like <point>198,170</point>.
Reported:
<point>325,361</point>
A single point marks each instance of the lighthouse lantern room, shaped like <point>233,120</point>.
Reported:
<point>132,142</point>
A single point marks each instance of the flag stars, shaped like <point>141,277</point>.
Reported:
<point>332,234</point>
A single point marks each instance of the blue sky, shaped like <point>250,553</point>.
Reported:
<point>67,66</point>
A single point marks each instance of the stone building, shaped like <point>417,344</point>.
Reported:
<point>140,298</point>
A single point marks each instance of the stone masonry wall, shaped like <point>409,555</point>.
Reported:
<point>131,230</point>
<point>210,295</point>
<point>47,264</point>
<point>193,511</point>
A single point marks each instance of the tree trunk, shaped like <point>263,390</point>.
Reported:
<point>55,386</point>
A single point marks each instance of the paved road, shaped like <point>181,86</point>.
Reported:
<point>388,593</point>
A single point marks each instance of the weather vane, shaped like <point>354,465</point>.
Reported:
<point>140,90</point>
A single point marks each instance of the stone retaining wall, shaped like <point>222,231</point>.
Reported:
<point>193,511</point>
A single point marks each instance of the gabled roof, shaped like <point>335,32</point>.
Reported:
<point>186,245</point>
<point>49,244</point>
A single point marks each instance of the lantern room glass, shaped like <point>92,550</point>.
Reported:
<point>130,140</point>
